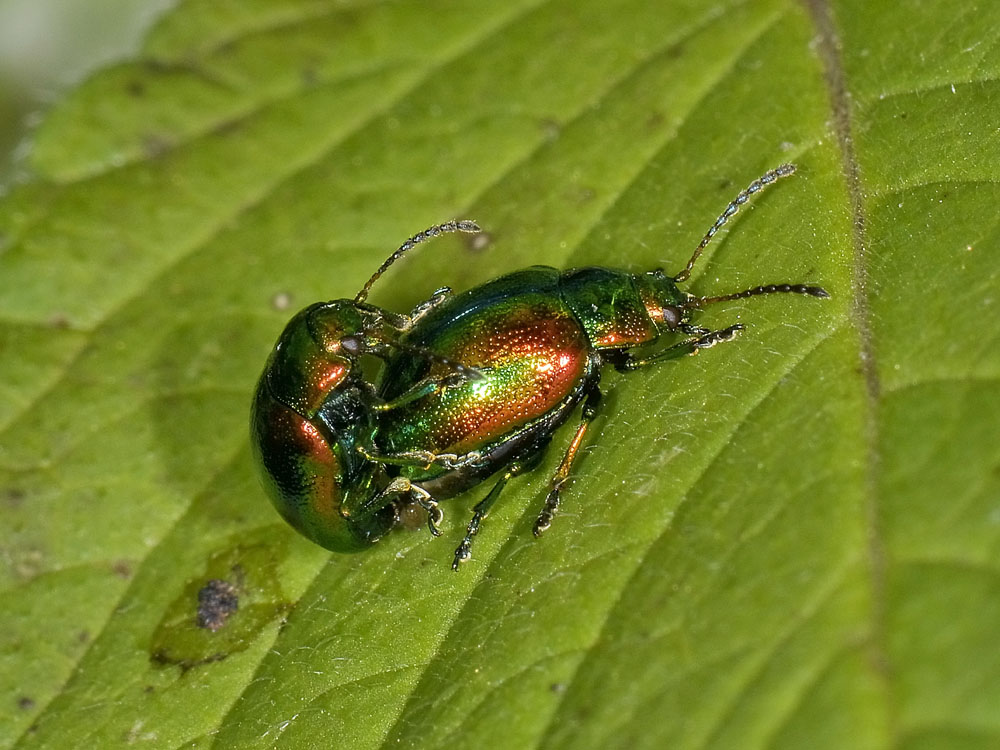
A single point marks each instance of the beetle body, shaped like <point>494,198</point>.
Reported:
<point>309,412</point>
<point>313,417</point>
<point>474,385</point>
<point>539,338</point>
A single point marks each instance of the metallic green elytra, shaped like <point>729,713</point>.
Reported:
<point>313,416</point>
<point>539,339</point>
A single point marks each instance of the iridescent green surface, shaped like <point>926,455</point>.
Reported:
<point>519,332</point>
<point>535,335</point>
<point>308,415</point>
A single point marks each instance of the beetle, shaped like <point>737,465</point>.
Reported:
<point>540,338</point>
<point>313,416</point>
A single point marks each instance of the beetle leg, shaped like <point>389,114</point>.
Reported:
<point>530,460</point>
<point>562,473</point>
<point>402,486</point>
<point>480,511</point>
<point>392,319</point>
<point>691,330</point>
<point>628,361</point>
<point>459,460</point>
<point>423,388</point>
<point>427,305</point>
<point>434,515</point>
<point>459,373</point>
<point>421,458</point>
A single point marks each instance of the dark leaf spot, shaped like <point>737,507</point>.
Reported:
<point>155,146</point>
<point>12,497</point>
<point>217,600</point>
<point>122,569</point>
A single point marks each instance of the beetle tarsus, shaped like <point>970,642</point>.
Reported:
<point>712,338</point>
<point>461,554</point>
<point>692,330</point>
<point>544,519</point>
<point>434,513</point>
<point>452,461</point>
<point>439,296</point>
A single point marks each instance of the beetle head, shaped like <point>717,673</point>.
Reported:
<point>665,303</point>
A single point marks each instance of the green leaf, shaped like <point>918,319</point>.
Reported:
<point>791,540</point>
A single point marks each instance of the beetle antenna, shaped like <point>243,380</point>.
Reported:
<point>450,226</point>
<point>754,187</point>
<point>812,291</point>
<point>469,373</point>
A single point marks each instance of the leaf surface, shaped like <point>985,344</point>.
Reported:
<point>787,541</point>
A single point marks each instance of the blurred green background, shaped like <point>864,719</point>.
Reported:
<point>48,45</point>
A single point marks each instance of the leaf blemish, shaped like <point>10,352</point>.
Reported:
<point>217,600</point>
<point>223,610</point>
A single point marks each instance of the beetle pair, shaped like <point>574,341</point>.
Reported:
<point>473,385</point>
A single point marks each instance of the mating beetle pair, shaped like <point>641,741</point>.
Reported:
<point>473,385</point>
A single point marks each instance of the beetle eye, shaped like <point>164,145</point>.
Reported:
<point>672,316</point>
<point>351,344</point>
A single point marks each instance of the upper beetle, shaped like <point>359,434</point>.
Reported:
<point>539,338</point>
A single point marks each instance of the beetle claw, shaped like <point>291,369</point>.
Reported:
<point>717,337</point>
<point>462,554</point>
<point>434,516</point>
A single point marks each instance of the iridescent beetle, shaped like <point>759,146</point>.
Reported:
<point>539,338</point>
<point>313,416</point>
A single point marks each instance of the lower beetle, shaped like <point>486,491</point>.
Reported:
<point>539,338</point>
<point>313,416</point>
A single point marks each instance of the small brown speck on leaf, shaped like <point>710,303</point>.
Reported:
<point>122,569</point>
<point>217,600</point>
